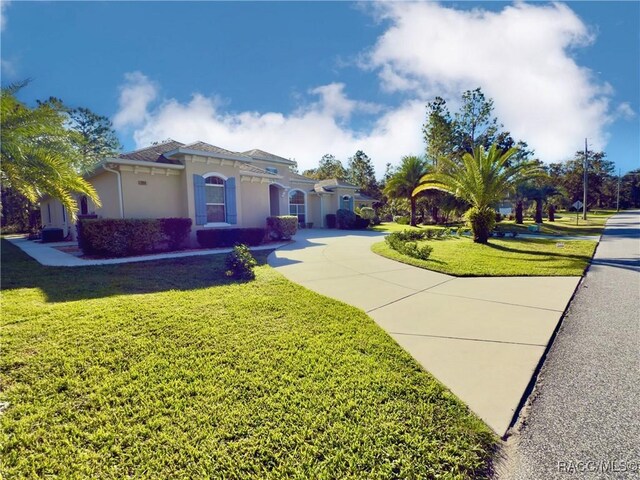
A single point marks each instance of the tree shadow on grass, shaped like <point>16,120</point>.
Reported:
<point>64,284</point>
<point>583,258</point>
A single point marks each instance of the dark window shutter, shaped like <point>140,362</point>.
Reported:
<point>230,200</point>
<point>200,199</point>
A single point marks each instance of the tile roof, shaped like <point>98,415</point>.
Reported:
<point>334,182</point>
<point>206,147</point>
<point>262,155</point>
<point>153,153</point>
<point>253,169</point>
<point>296,176</point>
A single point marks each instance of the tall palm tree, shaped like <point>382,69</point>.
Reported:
<point>481,179</point>
<point>405,180</point>
<point>36,152</point>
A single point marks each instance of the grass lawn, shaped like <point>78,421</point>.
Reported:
<point>565,224</point>
<point>501,257</point>
<point>166,369</point>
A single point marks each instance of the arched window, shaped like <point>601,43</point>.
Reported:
<point>345,202</point>
<point>296,205</point>
<point>214,191</point>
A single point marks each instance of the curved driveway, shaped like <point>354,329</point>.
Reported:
<point>481,337</point>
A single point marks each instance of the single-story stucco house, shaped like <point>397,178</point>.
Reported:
<point>214,187</point>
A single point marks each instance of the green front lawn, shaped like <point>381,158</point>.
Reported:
<point>166,369</point>
<point>500,257</point>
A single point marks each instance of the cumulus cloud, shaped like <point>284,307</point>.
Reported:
<point>304,135</point>
<point>625,111</point>
<point>4,4</point>
<point>136,94</point>
<point>520,57</point>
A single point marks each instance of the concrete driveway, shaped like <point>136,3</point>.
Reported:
<point>481,337</point>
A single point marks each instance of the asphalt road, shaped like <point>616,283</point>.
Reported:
<point>583,417</point>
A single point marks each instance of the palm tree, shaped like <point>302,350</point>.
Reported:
<point>36,152</point>
<point>481,179</point>
<point>405,180</point>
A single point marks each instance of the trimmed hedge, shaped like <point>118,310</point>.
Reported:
<point>347,220</point>
<point>331,220</point>
<point>125,237</point>
<point>282,227</point>
<point>228,237</point>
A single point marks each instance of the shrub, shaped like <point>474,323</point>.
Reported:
<point>176,231</point>
<point>460,231</point>
<point>405,242</point>
<point>498,217</point>
<point>376,220</point>
<point>331,220</point>
<point>123,237</point>
<point>367,213</point>
<point>401,220</point>
<point>282,227</point>
<point>345,219</point>
<point>239,263</point>
<point>228,237</point>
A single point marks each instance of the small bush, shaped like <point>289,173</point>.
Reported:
<point>460,231</point>
<point>401,220</point>
<point>282,227</point>
<point>228,237</point>
<point>239,263</point>
<point>124,237</point>
<point>367,213</point>
<point>331,220</point>
<point>405,242</point>
<point>376,220</point>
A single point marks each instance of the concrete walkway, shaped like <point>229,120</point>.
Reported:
<point>47,254</point>
<point>481,337</point>
<point>583,417</point>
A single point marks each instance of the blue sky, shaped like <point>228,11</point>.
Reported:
<point>304,79</point>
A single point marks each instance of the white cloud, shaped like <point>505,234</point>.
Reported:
<point>4,4</point>
<point>304,135</point>
<point>520,57</point>
<point>135,96</point>
<point>625,111</point>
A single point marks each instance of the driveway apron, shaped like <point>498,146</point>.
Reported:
<point>481,337</point>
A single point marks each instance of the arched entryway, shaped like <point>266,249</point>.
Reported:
<point>275,193</point>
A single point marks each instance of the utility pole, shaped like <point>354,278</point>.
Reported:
<point>584,181</point>
<point>618,196</point>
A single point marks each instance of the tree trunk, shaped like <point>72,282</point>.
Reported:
<point>519,218</point>
<point>552,213</point>
<point>413,211</point>
<point>538,210</point>
<point>434,214</point>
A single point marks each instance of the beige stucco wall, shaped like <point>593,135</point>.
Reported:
<point>57,219</point>
<point>106,185</point>
<point>147,195</point>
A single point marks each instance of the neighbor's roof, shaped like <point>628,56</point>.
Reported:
<point>270,157</point>
<point>153,153</point>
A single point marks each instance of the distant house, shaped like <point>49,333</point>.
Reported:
<point>216,188</point>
